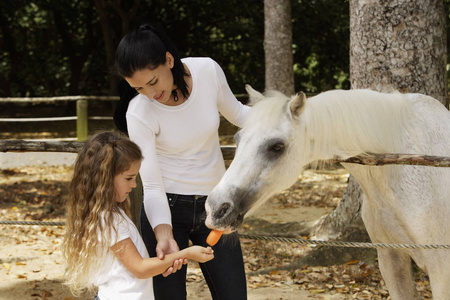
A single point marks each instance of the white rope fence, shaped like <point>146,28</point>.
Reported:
<point>40,223</point>
<point>341,244</point>
<point>279,239</point>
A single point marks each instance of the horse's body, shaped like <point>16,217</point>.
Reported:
<point>402,204</point>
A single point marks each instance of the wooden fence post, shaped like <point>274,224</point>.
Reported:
<point>82,120</point>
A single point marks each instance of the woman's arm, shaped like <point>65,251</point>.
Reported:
<point>143,133</point>
<point>233,110</point>
<point>141,268</point>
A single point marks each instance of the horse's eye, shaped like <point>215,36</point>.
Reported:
<point>273,148</point>
<point>278,147</point>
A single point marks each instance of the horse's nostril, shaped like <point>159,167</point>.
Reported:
<point>223,209</point>
<point>238,221</point>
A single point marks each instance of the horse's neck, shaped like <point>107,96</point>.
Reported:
<point>348,126</point>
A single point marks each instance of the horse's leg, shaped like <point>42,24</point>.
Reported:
<point>439,273</point>
<point>395,267</point>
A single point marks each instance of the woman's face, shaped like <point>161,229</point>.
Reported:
<point>156,84</point>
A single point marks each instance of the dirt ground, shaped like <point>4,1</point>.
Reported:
<point>32,266</point>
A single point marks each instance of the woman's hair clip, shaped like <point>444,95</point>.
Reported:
<point>113,144</point>
<point>145,27</point>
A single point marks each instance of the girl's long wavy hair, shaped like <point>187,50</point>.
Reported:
<point>92,205</point>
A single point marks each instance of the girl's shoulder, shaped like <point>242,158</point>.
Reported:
<point>121,216</point>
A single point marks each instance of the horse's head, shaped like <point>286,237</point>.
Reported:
<point>266,159</point>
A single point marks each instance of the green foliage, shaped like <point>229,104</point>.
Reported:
<point>321,38</point>
<point>231,32</point>
<point>53,48</point>
<point>46,45</point>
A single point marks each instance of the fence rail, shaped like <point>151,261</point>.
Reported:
<point>229,151</point>
<point>35,100</point>
<point>38,119</point>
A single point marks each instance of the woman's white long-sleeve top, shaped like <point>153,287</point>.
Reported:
<point>180,144</point>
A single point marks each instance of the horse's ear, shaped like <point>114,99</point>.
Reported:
<point>297,104</point>
<point>254,96</point>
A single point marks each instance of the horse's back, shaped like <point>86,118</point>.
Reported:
<point>407,201</point>
<point>431,123</point>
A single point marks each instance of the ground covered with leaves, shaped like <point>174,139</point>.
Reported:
<point>32,266</point>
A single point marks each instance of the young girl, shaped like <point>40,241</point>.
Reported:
<point>102,246</point>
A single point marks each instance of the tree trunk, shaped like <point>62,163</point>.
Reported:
<point>16,57</point>
<point>109,43</point>
<point>399,44</point>
<point>278,46</point>
<point>394,45</point>
<point>126,17</point>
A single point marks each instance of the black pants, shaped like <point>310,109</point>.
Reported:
<point>225,274</point>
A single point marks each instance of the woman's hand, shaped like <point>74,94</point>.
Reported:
<point>166,245</point>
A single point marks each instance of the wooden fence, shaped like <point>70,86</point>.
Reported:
<point>82,118</point>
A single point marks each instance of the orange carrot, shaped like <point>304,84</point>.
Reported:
<point>213,237</point>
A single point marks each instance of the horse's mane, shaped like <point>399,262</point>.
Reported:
<point>341,123</point>
<point>347,123</point>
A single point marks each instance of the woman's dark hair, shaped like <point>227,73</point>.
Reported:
<point>146,48</point>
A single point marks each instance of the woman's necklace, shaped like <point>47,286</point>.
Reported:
<point>175,95</point>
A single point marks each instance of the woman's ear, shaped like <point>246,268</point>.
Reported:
<point>170,60</point>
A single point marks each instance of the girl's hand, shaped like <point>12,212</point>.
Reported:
<point>200,254</point>
<point>167,246</point>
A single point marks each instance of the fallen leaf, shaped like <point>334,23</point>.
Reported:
<point>47,294</point>
<point>318,291</point>
<point>274,272</point>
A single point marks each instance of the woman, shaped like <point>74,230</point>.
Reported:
<point>174,119</point>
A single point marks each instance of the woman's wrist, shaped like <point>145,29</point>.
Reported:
<point>163,232</point>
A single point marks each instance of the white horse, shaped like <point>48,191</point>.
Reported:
<point>402,204</point>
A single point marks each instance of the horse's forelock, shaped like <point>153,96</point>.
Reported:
<point>268,111</point>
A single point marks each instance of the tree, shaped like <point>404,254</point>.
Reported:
<point>278,46</point>
<point>321,45</point>
<point>393,45</point>
<point>126,15</point>
<point>50,48</point>
<point>77,40</point>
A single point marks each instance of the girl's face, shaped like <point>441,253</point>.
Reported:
<point>156,84</point>
<point>125,182</point>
